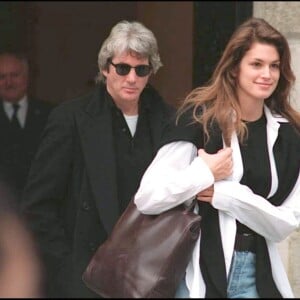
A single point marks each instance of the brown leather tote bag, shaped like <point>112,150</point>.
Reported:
<point>146,255</point>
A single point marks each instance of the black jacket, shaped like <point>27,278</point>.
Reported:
<point>17,152</point>
<point>70,200</point>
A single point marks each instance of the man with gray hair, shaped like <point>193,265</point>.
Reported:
<point>93,154</point>
<point>22,119</point>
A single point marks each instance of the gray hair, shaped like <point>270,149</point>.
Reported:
<point>125,37</point>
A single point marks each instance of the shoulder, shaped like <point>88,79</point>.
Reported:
<point>286,130</point>
<point>289,133</point>
<point>80,103</point>
<point>183,128</point>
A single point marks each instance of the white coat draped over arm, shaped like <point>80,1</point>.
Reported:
<point>175,175</point>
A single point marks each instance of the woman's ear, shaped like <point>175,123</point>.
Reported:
<point>235,72</point>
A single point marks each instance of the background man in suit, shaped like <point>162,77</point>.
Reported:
<point>92,156</point>
<point>22,120</point>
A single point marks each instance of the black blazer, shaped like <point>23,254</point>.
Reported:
<point>70,199</point>
<point>16,153</point>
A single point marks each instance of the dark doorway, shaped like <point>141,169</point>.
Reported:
<point>215,21</point>
<point>13,25</point>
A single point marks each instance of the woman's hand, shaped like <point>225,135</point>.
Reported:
<point>206,195</point>
<point>220,163</point>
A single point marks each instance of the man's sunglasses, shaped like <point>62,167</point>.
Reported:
<point>124,69</point>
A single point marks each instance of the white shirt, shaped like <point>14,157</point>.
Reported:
<point>131,122</point>
<point>21,113</point>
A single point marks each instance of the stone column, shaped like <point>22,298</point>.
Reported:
<point>284,16</point>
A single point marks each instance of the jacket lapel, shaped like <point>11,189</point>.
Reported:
<point>33,121</point>
<point>156,117</point>
<point>4,121</point>
<point>155,120</point>
<point>97,143</point>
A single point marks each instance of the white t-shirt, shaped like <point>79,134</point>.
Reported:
<point>131,122</point>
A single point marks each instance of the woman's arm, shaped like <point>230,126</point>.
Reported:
<point>273,222</point>
<point>176,175</point>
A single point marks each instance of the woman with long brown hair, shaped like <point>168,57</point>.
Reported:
<point>235,147</point>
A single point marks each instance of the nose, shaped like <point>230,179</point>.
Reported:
<point>131,76</point>
<point>266,72</point>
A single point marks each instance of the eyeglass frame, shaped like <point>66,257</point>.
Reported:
<point>129,67</point>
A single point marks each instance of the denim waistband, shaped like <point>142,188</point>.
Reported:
<point>244,242</point>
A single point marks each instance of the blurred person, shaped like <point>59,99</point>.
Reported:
<point>22,119</point>
<point>20,267</point>
<point>235,147</point>
<point>92,157</point>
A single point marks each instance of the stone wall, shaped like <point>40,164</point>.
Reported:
<point>284,16</point>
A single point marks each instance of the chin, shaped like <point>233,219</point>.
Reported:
<point>131,97</point>
<point>262,96</point>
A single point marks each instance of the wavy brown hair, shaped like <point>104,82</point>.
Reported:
<point>218,98</point>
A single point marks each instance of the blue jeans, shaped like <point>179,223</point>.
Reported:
<point>242,280</point>
<point>182,290</point>
<point>241,283</point>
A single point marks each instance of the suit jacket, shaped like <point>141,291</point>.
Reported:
<point>17,152</point>
<point>70,199</point>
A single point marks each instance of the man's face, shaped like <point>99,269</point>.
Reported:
<point>126,89</point>
<point>13,78</point>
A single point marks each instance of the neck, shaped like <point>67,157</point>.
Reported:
<point>252,112</point>
<point>129,108</point>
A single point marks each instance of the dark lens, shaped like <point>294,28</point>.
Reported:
<point>122,69</point>
<point>142,70</point>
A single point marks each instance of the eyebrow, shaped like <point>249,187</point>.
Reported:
<point>261,60</point>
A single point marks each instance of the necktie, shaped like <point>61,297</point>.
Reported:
<point>14,120</point>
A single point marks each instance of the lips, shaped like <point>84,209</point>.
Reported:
<point>265,85</point>
<point>130,90</point>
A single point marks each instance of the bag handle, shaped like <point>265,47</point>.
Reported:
<point>190,207</point>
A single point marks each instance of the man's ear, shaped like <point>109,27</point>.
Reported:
<point>105,72</point>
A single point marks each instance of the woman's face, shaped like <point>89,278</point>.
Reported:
<point>258,74</point>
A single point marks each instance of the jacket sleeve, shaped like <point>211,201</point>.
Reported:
<point>46,186</point>
<point>273,222</point>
